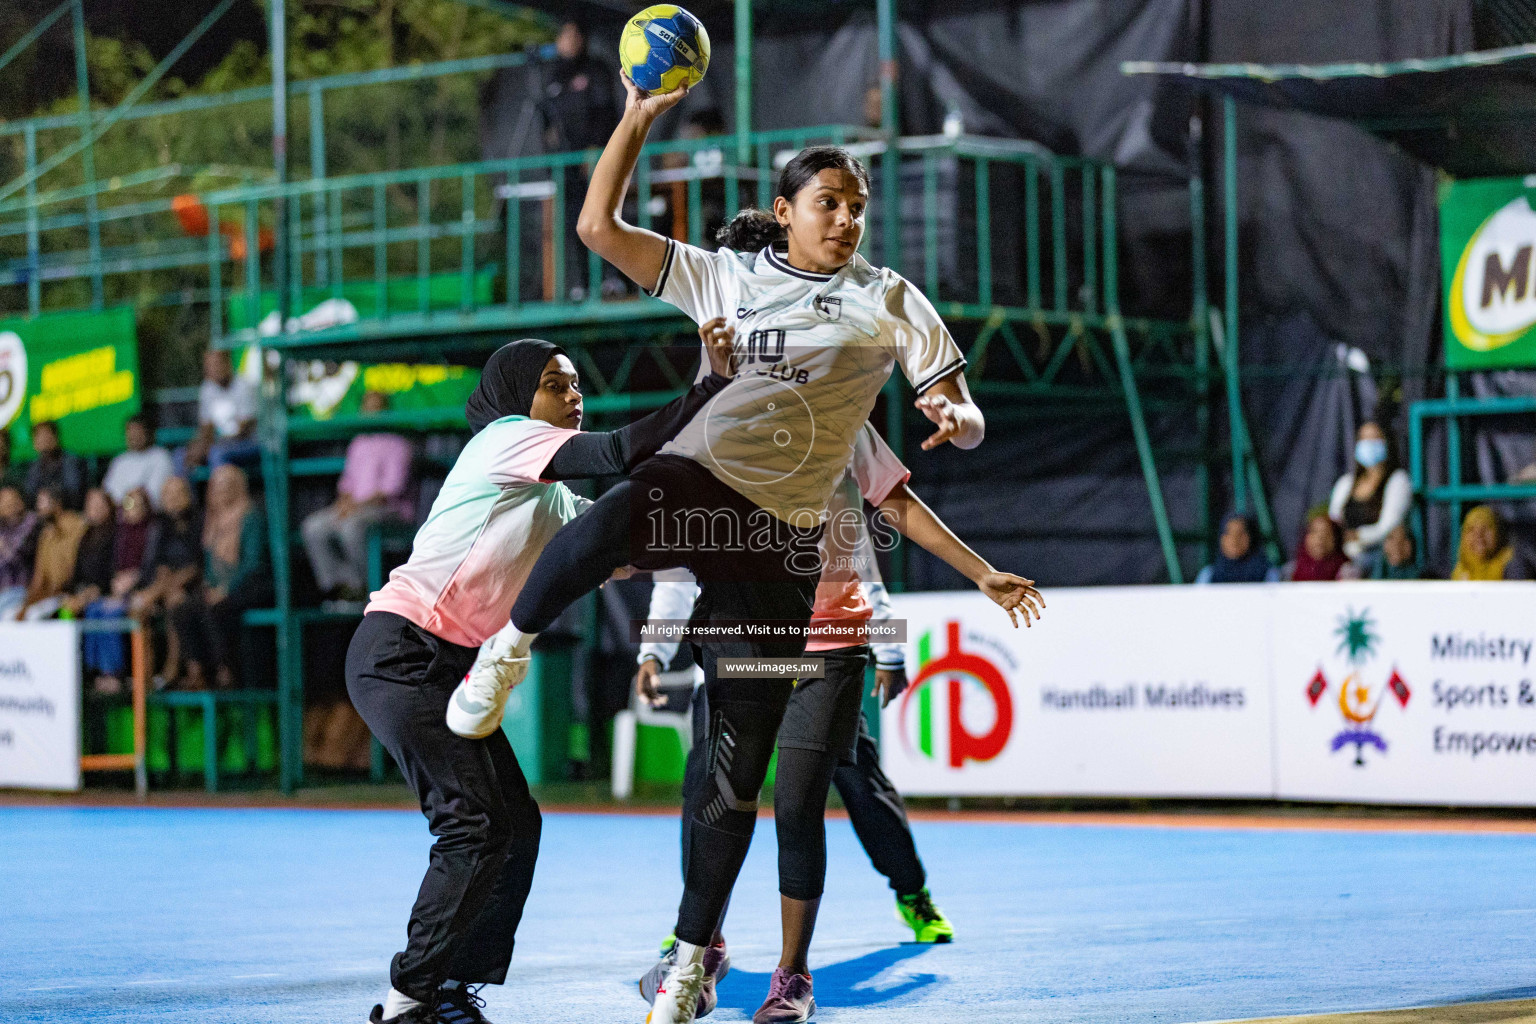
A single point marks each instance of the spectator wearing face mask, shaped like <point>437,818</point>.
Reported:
<point>1372,499</point>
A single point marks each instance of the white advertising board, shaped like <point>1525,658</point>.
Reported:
<point>1406,692</point>
<point>1157,691</point>
<point>40,705</point>
<point>1384,692</point>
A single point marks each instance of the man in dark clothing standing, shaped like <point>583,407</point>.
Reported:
<point>55,469</point>
<point>582,101</point>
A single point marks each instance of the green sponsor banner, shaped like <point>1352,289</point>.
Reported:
<point>326,390</point>
<point>431,391</point>
<point>80,369</point>
<point>1487,236</point>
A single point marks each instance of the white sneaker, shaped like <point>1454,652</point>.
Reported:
<point>716,962</point>
<point>677,1000</point>
<point>477,704</point>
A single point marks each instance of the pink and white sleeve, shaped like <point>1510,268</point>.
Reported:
<point>875,468</point>
<point>520,450</point>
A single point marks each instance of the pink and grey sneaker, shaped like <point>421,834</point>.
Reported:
<point>717,964</point>
<point>789,999</point>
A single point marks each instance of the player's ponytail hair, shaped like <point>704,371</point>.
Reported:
<point>753,230</point>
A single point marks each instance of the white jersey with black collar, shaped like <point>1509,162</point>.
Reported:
<point>812,353</point>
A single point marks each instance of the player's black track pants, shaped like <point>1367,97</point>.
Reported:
<point>750,566</point>
<point>473,793</point>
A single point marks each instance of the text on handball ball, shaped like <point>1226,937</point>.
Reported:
<point>664,48</point>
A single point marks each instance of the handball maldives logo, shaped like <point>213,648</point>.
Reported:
<point>1359,698</point>
<point>958,708</point>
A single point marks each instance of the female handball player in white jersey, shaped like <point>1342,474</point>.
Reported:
<point>499,505</point>
<point>823,738</point>
<point>739,495</point>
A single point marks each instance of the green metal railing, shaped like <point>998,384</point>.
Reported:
<point>1005,236</point>
<point>1456,493</point>
<point>1017,248</point>
<point>46,217</point>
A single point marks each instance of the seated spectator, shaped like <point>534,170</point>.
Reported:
<point>105,654</point>
<point>55,468</point>
<point>145,464</point>
<point>1372,499</point>
<point>94,562</point>
<point>1239,558</point>
<point>226,416</point>
<point>1485,549</point>
<point>172,561</point>
<point>235,579</point>
<point>371,490</point>
<point>18,545</point>
<point>1320,555</point>
<point>135,526</point>
<point>58,544</point>
<point>1399,557</point>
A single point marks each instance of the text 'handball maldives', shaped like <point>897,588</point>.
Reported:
<point>664,48</point>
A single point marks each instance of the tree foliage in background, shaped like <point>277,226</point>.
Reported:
<point>368,128</point>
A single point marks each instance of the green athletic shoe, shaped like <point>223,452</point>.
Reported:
<point>667,944</point>
<point>927,921</point>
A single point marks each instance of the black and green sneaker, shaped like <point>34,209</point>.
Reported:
<point>927,921</point>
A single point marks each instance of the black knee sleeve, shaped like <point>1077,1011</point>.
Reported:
<point>741,745</point>
<point>741,738</point>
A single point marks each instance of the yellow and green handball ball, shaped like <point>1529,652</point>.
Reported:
<point>664,48</point>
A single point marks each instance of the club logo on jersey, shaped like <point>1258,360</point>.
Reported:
<point>829,308</point>
<point>1359,699</point>
<point>960,695</point>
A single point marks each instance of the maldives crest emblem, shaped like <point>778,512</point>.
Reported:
<point>1361,693</point>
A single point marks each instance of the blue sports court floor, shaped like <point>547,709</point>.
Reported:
<point>215,915</point>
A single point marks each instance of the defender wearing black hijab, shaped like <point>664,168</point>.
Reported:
<point>420,634</point>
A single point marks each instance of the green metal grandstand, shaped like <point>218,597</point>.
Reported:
<point>447,262</point>
<point>1469,115</point>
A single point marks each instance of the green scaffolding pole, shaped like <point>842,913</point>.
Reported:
<point>1200,322</point>
<point>290,665</point>
<point>34,255</point>
<point>95,127</point>
<point>317,171</point>
<point>890,160</point>
<point>36,32</point>
<point>279,48</point>
<point>1247,482</point>
<point>1229,347</point>
<point>87,155</point>
<point>1128,379</point>
<point>743,81</point>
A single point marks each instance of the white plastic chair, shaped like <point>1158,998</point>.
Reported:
<point>626,727</point>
